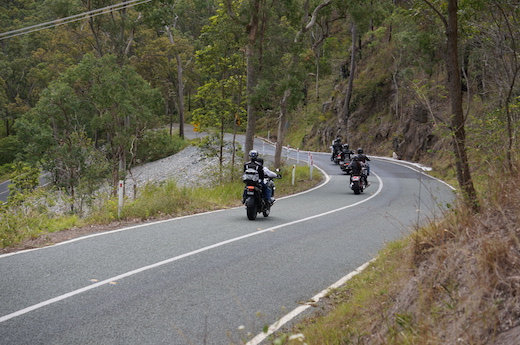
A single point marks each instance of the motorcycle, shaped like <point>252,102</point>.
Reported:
<point>336,155</point>
<point>357,181</point>
<point>345,166</point>
<point>253,198</point>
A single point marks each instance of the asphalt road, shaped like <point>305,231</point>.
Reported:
<point>4,191</point>
<point>211,278</point>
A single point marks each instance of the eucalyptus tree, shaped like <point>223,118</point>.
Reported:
<point>3,106</point>
<point>496,41</point>
<point>449,17</point>
<point>109,104</point>
<point>252,16</point>
<point>180,23</point>
<point>363,17</point>
<point>220,100</point>
<point>16,55</point>
<point>268,29</point>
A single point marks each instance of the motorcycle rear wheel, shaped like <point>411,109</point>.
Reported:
<point>356,187</point>
<point>251,208</point>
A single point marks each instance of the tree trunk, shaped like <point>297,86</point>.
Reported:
<point>180,84</point>
<point>251,113</point>
<point>281,129</point>
<point>180,93</point>
<point>348,93</point>
<point>457,116</point>
<point>96,45</point>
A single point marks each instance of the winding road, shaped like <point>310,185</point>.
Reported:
<point>216,277</point>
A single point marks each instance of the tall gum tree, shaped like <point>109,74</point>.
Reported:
<point>457,124</point>
<point>252,16</point>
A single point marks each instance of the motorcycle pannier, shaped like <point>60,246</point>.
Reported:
<point>251,176</point>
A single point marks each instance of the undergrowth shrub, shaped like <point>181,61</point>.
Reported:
<point>158,144</point>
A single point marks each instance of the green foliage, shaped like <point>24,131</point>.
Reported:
<point>24,179</point>
<point>221,97</point>
<point>29,218</point>
<point>158,144</point>
<point>96,100</point>
<point>76,163</point>
<point>9,149</point>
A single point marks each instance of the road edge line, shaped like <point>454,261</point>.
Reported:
<point>297,311</point>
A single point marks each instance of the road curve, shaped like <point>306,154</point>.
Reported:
<point>211,278</point>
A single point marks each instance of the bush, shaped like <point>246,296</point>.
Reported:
<point>158,144</point>
<point>9,147</point>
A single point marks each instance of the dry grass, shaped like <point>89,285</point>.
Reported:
<point>453,282</point>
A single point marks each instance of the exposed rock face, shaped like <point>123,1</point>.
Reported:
<point>408,132</point>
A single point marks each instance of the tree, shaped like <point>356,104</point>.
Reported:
<point>3,106</point>
<point>457,125</point>
<point>220,98</point>
<point>175,20</point>
<point>498,38</point>
<point>252,16</point>
<point>113,105</point>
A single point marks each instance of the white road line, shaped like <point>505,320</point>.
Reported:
<point>293,314</point>
<point>161,263</point>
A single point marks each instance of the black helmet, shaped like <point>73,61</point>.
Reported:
<point>345,146</point>
<point>253,154</point>
<point>360,150</point>
<point>355,158</point>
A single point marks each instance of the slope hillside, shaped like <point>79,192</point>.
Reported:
<point>389,112</point>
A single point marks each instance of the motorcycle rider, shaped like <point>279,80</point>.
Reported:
<point>356,166</point>
<point>364,159</point>
<point>346,154</point>
<point>336,147</point>
<point>255,164</point>
<point>269,185</point>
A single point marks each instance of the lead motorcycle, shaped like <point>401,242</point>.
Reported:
<point>253,197</point>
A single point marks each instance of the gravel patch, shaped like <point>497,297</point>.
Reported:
<point>190,167</point>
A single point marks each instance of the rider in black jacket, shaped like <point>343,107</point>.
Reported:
<point>253,163</point>
<point>256,164</point>
<point>364,159</point>
<point>336,147</point>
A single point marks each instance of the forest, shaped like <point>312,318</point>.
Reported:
<point>84,84</point>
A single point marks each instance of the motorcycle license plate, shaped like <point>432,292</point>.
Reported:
<point>356,178</point>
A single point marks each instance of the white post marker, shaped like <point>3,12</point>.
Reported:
<point>293,173</point>
<point>120,190</point>
<point>297,155</point>
<point>311,165</point>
